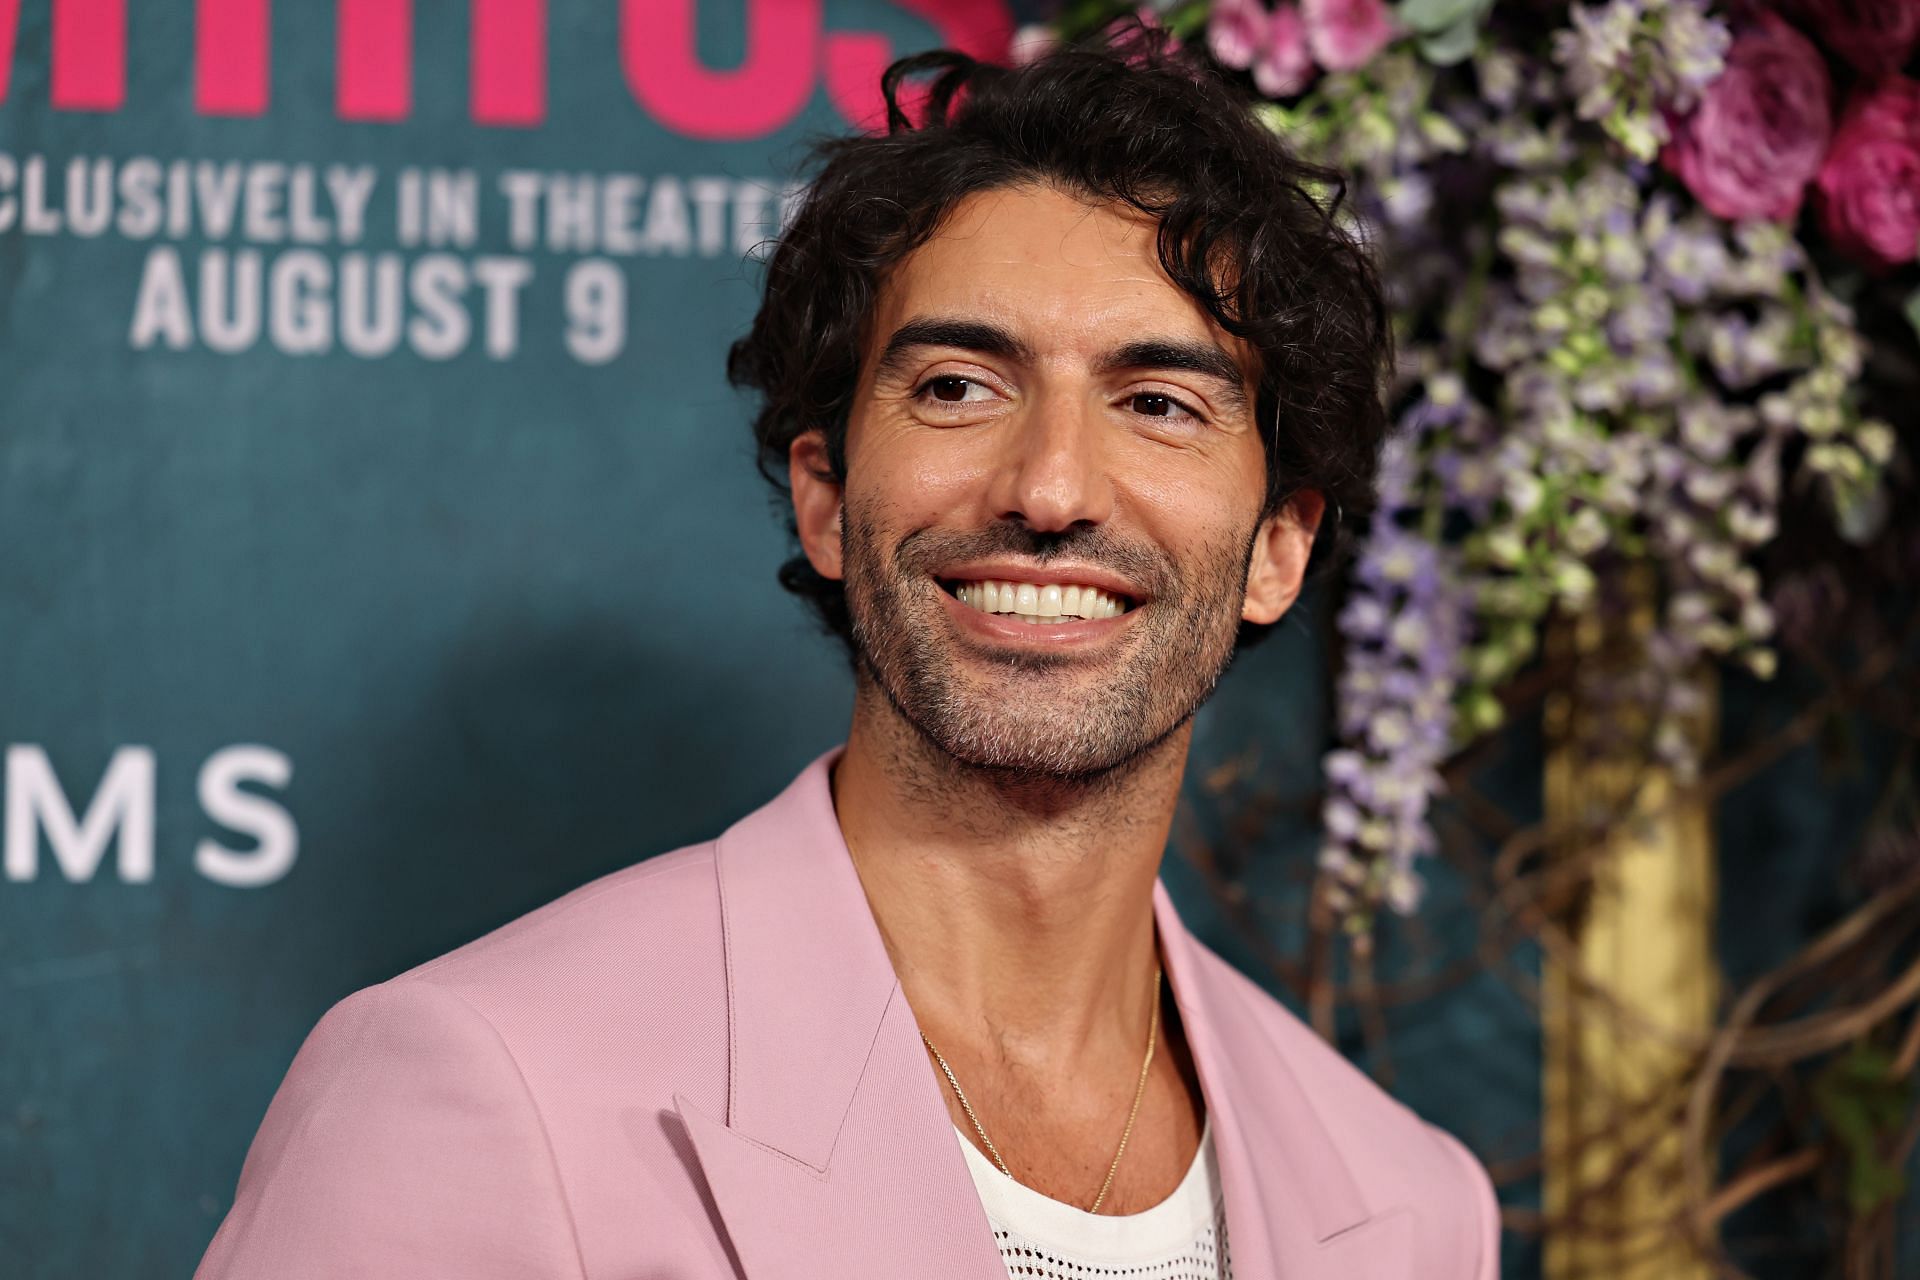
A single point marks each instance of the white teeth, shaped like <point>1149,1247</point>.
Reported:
<point>1030,602</point>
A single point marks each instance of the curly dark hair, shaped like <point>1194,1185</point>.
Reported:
<point>1246,228</point>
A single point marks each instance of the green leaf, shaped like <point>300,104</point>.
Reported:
<point>1874,1182</point>
<point>1188,20</point>
<point>1913,310</point>
<point>1453,45</point>
<point>1084,17</point>
<point>1864,1104</point>
<point>1439,15</point>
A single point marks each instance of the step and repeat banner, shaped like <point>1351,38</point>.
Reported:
<point>381,551</point>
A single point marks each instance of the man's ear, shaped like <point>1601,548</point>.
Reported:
<point>816,502</point>
<point>1280,552</point>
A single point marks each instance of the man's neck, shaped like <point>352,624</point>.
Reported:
<point>1016,912</point>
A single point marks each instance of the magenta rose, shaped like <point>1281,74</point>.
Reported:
<point>1282,47</point>
<point>1243,35</point>
<point>1876,36</point>
<point>1147,19</point>
<point>1284,67</point>
<point>1890,107</point>
<point>1237,32</point>
<point>1345,34</point>
<point>1757,137</point>
<point>1870,184</point>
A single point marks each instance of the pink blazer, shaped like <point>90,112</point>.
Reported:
<point>702,1066</point>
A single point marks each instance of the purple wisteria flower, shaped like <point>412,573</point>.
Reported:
<point>1629,62</point>
<point>1404,629</point>
<point>1405,626</point>
<point>1604,384</point>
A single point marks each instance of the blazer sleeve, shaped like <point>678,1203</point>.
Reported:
<point>1484,1206</point>
<point>403,1142</point>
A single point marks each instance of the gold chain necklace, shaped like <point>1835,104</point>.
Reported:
<point>1139,1091</point>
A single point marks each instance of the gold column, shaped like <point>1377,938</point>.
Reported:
<point>1641,928</point>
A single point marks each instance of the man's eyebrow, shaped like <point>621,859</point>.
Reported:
<point>1203,358</point>
<point>983,336</point>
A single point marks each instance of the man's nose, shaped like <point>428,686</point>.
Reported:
<point>1053,473</point>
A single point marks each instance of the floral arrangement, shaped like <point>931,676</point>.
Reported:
<point>1626,244</point>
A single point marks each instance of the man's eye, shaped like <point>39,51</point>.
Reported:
<point>948,382</point>
<point>1161,405</point>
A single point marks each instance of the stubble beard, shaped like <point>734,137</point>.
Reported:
<point>1025,717</point>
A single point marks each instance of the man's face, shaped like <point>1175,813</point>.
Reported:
<point>1050,529</point>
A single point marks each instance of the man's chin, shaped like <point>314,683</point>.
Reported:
<point>1022,714</point>
<point>1047,761</point>
<point>1031,748</point>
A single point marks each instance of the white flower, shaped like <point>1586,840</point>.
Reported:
<point>1874,439</point>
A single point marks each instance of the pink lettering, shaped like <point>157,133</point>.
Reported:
<point>230,43</point>
<point>89,54</point>
<point>854,60</point>
<point>786,51</point>
<point>9,27</point>
<point>374,60</point>
<point>509,68</point>
<point>767,90</point>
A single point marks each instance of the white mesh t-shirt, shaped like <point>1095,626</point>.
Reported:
<point>1184,1237</point>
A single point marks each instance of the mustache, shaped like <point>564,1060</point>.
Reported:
<point>927,549</point>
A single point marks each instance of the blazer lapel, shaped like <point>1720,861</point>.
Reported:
<point>836,1156</point>
<point>1294,1211</point>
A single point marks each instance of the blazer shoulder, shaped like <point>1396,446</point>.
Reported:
<point>401,1095</point>
<point>644,932</point>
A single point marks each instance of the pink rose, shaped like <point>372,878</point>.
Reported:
<point>1870,184</point>
<point>1241,34</point>
<point>1890,106</point>
<point>1345,34</point>
<point>1876,36</point>
<point>1237,32</point>
<point>1149,19</point>
<point>1756,139</point>
<point>1284,67</point>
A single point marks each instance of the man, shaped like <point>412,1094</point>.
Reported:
<point>930,1011</point>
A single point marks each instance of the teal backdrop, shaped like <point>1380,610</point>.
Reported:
<point>381,552</point>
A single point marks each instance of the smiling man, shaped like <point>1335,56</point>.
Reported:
<point>1062,383</point>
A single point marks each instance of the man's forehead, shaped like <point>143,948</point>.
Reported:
<point>1042,222</point>
<point>1060,271</point>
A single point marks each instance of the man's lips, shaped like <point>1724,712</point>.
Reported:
<point>1056,574</point>
<point>1068,634</point>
